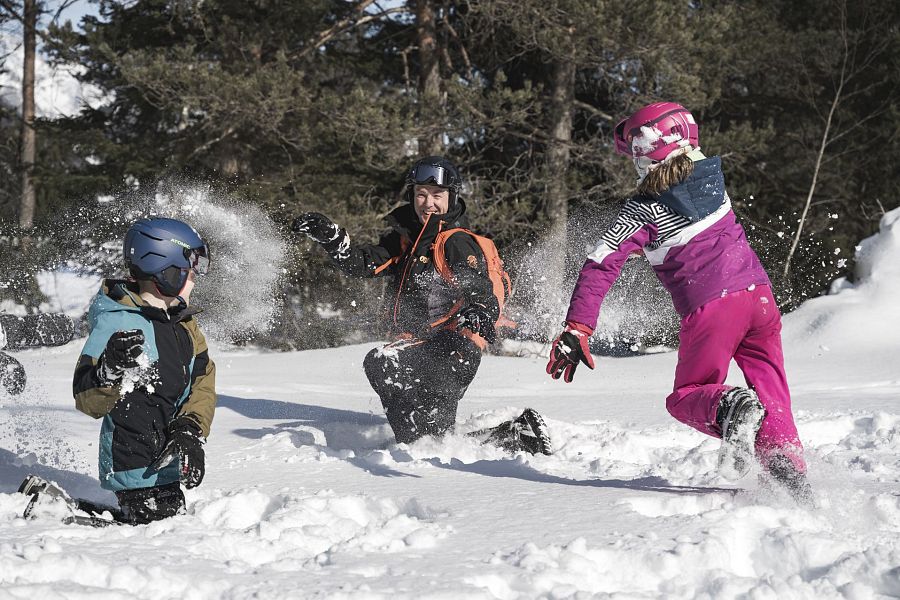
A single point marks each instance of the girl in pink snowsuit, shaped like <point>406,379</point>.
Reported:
<point>681,219</point>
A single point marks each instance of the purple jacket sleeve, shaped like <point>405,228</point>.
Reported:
<point>602,267</point>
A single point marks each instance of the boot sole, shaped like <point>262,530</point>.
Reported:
<point>536,422</point>
<point>738,441</point>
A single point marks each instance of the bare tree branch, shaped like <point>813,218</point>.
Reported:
<point>357,18</point>
<point>842,79</point>
<point>593,110</point>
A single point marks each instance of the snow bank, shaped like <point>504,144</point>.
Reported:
<point>864,314</point>
<point>306,496</point>
<point>745,551</point>
<point>286,535</point>
<point>68,292</point>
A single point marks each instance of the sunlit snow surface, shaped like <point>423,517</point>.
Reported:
<point>58,91</point>
<point>306,497</point>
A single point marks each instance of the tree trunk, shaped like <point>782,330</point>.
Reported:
<point>26,205</point>
<point>430,103</point>
<point>557,195</point>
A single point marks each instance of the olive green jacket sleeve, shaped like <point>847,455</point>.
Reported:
<point>90,397</point>
<point>200,404</point>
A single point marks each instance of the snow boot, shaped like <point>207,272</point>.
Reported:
<point>739,416</point>
<point>783,474</point>
<point>539,438</point>
<point>12,375</point>
<point>527,432</point>
<point>34,486</point>
<point>47,499</point>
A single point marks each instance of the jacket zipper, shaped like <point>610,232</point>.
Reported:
<point>409,263</point>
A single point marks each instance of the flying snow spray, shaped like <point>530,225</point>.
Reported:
<point>240,294</point>
<point>637,314</point>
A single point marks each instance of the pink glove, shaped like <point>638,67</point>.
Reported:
<point>569,349</point>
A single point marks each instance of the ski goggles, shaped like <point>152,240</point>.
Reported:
<point>431,175</point>
<point>622,138</point>
<point>171,280</point>
<point>198,259</point>
<point>623,142</point>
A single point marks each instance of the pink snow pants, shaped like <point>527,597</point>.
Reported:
<point>746,326</point>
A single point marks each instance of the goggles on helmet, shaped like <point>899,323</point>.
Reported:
<point>171,280</point>
<point>431,175</point>
<point>623,144</point>
<point>199,259</point>
<point>623,139</point>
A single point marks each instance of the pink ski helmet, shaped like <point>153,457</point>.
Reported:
<point>656,130</point>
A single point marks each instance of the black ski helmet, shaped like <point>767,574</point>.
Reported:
<point>434,170</point>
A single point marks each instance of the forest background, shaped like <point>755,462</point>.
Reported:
<point>323,105</point>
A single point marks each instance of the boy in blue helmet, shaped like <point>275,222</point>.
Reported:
<point>145,370</point>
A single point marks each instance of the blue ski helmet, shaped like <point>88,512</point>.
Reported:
<point>434,170</point>
<point>165,251</point>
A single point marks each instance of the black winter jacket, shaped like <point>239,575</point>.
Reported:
<point>180,383</point>
<point>418,296</point>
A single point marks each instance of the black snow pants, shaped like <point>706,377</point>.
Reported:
<point>145,505</point>
<point>420,382</point>
<point>140,506</point>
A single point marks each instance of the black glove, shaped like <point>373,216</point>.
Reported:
<point>185,443</point>
<point>316,226</point>
<point>121,353</point>
<point>477,319</point>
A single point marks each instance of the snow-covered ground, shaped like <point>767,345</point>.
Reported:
<point>306,496</point>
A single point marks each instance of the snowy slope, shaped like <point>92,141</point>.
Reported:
<point>306,497</point>
<point>57,91</point>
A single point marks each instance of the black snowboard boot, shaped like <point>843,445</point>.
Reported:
<point>35,331</point>
<point>739,416</point>
<point>49,499</point>
<point>527,432</point>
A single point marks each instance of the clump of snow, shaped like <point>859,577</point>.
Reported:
<point>240,295</point>
<point>637,313</point>
<point>145,375</point>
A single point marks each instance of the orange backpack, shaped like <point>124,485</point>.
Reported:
<point>499,277</point>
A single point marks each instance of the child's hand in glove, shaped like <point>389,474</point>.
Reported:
<point>569,349</point>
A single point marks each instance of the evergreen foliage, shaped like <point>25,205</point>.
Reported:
<point>318,105</point>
